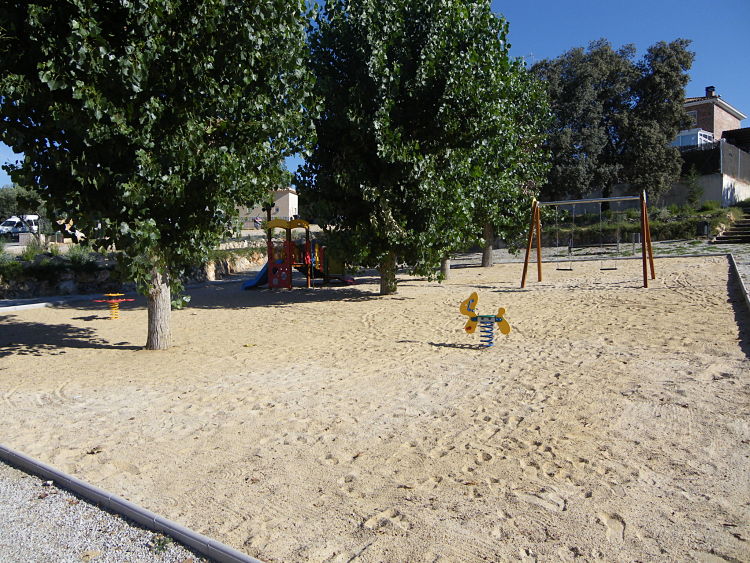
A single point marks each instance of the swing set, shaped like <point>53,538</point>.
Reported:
<point>535,230</point>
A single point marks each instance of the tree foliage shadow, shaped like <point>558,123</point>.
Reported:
<point>232,296</point>
<point>741,314</point>
<point>37,339</point>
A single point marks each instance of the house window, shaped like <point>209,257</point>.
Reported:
<point>693,115</point>
<point>705,138</point>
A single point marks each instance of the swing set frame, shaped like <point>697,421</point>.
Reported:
<point>535,229</point>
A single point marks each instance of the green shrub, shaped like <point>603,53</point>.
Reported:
<point>31,251</point>
<point>82,259</point>
<point>710,206</point>
<point>9,267</point>
<point>674,209</point>
<point>44,270</point>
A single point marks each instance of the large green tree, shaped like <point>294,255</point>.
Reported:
<point>17,200</point>
<point>650,162</point>
<point>418,128</point>
<point>153,119</point>
<point>614,117</point>
<point>513,165</point>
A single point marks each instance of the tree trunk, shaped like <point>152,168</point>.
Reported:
<point>445,267</point>
<point>388,274</point>
<point>159,312</point>
<point>489,238</point>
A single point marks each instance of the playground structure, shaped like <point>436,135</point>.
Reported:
<point>284,257</point>
<point>114,303</point>
<point>486,322</point>
<point>308,257</point>
<point>535,233</point>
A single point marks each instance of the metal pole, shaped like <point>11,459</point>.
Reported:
<point>591,200</point>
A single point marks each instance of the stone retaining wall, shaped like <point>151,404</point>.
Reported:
<point>105,279</point>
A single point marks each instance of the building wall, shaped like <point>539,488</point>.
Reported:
<point>285,206</point>
<point>724,121</point>
<point>716,187</point>
<point>712,185</point>
<point>734,190</point>
<point>735,162</point>
<point>712,118</point>
<point>705,116</point>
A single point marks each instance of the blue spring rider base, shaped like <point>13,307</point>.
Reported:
<point>486,322</point>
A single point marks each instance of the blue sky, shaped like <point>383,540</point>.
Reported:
<point>547,28</point>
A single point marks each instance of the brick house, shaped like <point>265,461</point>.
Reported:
<point>713,147</point>
<point>710,114</point>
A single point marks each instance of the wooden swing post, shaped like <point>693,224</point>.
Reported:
<point>535,228</point>
<point>532,227</point>
<point>647,228</point>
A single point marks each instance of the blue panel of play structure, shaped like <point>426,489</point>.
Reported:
<point>260,279</point>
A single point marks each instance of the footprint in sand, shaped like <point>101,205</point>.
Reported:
<point>615,526</point>
<point>386,519</point>
<point>548,500</point>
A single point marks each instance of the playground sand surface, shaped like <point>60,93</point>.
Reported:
<point>336,425</point>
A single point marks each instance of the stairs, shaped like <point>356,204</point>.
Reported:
<point>739,232</point>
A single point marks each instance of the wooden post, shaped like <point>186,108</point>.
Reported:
<point>539,242</point>
<point>648,237</point>
<point>532,224</point>
<point>308,258</point>
<point>269,238</point>
<point>644,242</point>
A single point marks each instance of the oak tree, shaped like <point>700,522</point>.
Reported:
<point>615,117</point>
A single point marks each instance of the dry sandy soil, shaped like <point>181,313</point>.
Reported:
<point>332,424</point>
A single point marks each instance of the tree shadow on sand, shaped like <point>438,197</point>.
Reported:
<point>232,296</point>
<point>38,339</point>
<point>741,314</point>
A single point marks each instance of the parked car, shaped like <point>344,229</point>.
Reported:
<point>23,224</point>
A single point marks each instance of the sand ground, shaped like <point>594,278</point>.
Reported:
<point>612,424</point>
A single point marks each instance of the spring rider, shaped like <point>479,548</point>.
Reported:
<point>486,322</point>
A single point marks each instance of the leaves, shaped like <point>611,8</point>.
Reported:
<point>425,123</point>
<point>151,121</point>
<point>614,117</point>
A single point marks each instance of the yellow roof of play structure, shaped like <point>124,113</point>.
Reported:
<point>293,224</point>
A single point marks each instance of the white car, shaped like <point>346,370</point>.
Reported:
<point>24,224</point>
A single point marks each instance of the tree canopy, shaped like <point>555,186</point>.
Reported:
<point>420,124</point>
<point>17,200</point>
<point>153,120</point>
<point>614,117</point>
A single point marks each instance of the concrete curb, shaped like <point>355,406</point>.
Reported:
<point>738,277</point>
<point>212,549</point>
<point>41,302</point>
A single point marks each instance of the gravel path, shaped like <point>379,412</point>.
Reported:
<point>41,523</point>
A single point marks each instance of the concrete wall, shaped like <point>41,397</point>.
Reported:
<point>716,187</point>
<point>734,190</point>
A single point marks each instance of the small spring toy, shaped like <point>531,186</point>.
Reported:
<point>486,322</point>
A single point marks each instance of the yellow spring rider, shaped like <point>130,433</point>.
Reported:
<point>486,322</point>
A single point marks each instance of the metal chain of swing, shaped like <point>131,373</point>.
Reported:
<point>601,242</point>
